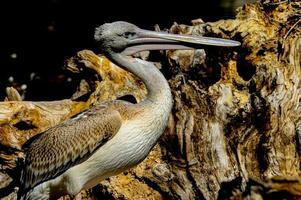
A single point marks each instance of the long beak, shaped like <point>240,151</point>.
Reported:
<point>150,40</point>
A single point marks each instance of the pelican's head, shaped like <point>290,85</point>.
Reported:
<point>115,36</point>
<point>126,38</point>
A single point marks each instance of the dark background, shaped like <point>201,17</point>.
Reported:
<point>37,36</point>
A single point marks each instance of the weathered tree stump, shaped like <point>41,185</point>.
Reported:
<point>235,128</point>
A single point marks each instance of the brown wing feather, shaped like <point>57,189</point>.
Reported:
<point>68,144</point>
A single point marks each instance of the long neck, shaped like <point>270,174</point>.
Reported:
<point>156,85</point>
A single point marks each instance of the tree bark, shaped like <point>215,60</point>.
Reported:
<point>235,128</point>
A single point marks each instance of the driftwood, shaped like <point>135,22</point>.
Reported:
<point>235,128</point>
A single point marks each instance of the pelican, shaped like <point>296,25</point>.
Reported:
<point>115,135</point>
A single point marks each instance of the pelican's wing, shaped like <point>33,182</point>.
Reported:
<point>68,144</point>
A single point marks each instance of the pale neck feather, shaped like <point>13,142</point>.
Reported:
<point>157,87</point>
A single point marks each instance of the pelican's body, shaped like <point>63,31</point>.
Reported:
<point>108,138</point>
<point>141,127</point>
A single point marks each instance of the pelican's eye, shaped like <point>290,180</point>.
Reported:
<point>128,35</point>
